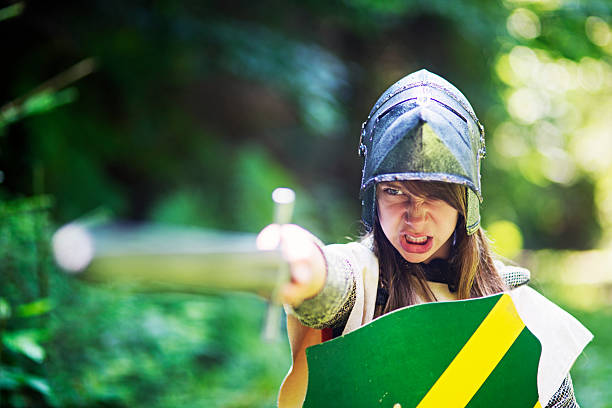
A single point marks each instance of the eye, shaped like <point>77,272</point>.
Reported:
<point>392,191</point>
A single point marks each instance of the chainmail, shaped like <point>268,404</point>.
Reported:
<point>514,276</point>
<point>564,397</point>
<point>332,306</point>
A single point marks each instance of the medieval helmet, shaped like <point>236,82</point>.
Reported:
<point>422,128</point>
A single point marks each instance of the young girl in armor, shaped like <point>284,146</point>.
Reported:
<point>420,192</point>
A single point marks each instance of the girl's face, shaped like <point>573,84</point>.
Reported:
<point>420,228</point>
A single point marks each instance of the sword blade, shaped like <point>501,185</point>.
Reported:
<point>167,259</point>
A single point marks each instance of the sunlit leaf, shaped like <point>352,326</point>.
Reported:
<point>36,308</point>
<point>39,384</point>
<point>46,101</point>
<point>26,343</point>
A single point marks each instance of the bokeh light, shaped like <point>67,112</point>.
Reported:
<point>598,31</point>
<point>523,23</point>
<point>506,237</point>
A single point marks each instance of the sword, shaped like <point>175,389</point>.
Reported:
<point>154,258</point>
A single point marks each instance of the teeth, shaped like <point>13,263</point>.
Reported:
<point>416,240</point>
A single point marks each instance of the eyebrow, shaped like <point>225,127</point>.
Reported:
<point>391,183</point>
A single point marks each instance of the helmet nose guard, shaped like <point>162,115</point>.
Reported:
<point>422,128</point>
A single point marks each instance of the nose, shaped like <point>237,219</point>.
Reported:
<point>415,215</point>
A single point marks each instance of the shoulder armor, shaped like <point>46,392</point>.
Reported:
<point>514,276</point>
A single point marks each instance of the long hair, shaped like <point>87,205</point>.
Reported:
<point>470,256</point>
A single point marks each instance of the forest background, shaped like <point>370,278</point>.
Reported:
<point>191,113</point>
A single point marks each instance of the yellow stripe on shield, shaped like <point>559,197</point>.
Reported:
<point>477,359</point>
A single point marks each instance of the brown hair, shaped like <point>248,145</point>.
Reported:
<point>470,256</point>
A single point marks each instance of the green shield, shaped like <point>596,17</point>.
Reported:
<point>474,353</point>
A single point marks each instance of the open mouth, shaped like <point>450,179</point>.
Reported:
<point>422,240</point>
<point>416,244</point>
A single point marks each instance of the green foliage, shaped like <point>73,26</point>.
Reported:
<point>591,373</point>
<point>197,111</point>
<point>256,53</point>
<point>24,304</point>
<point>161,351</point>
